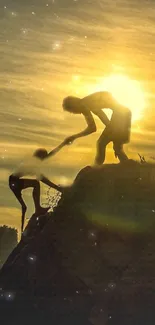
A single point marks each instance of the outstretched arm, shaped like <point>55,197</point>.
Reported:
<point>91,127</point>
<point>49,183</point>
<point>55,150</point>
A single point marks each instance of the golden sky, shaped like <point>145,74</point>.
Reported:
<point>51,49</point>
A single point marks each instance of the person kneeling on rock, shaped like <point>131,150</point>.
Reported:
<point>32,167</point>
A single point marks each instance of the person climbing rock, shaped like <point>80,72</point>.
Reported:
<point>18,181</point>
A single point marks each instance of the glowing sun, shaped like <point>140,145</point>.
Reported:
<point>127,92</point>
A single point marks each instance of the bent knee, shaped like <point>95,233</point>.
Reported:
<point>14,183</point>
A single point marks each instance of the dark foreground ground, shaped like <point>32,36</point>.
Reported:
<point>92,260</point>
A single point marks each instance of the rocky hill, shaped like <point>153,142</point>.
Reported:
<point>90,261</point>
<point>8,240</point>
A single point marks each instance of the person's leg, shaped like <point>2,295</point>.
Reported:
<point>119,152</point>
<point>24,208</point>
<point>36,194</point>
<point>102,142</point>
<point>15,185</point>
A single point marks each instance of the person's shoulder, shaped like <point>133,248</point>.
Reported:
<point>124,109</point>
<point>91,97</point>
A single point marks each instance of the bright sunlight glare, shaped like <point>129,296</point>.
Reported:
<point>127,92</point>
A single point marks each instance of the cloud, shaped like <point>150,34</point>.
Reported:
<point>95,38</point>
<point>4,173</point>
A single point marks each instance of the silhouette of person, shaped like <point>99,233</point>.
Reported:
<point>32,167</point>
<point>117,129</point>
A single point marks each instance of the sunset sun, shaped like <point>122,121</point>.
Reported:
<point>127,92</point>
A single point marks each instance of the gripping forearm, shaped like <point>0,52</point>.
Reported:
<point>84,133</point>
<point>49,183</point>
<point>55,150</point>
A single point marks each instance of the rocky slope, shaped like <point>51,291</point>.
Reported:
<point>90,261</point>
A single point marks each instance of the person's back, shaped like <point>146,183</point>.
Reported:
<point>101,100</point>
<point>29,166</point>
<point>94,102</point>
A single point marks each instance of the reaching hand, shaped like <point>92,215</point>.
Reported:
<point>69,140</point>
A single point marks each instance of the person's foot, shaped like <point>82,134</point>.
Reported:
<point>41,210</point>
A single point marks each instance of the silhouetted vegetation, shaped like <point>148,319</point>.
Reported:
<point>142,159</point>
<point>52,199</point>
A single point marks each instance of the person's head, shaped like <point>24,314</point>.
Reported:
<point>40,153</point>
<point>72,104</point>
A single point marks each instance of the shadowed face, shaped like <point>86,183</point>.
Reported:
<point>40,153</point>
<point>72,104</point>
